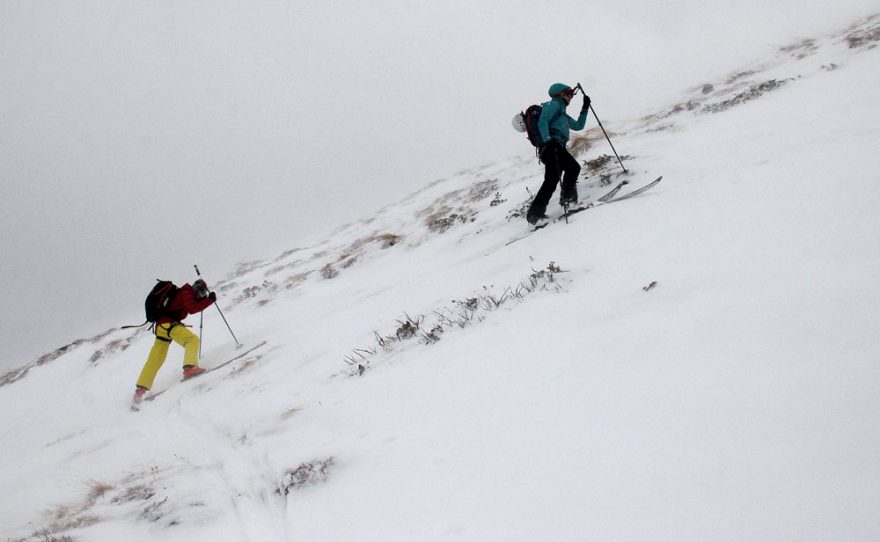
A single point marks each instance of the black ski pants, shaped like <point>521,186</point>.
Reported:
<point>558,162</point>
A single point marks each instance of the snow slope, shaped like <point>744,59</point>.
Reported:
<point>734,400</point>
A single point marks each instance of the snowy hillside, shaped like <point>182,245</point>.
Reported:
<point>698,363</point>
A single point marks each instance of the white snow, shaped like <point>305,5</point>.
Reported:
<point>736,400</point>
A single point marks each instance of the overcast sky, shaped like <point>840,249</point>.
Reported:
<point>139,138</point>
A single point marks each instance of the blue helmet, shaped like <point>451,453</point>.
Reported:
<point>557,88</point>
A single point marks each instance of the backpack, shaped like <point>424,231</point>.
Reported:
<point>159,299</point>
<point>527,122</point>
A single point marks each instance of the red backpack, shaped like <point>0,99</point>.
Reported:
<point>529,124</point>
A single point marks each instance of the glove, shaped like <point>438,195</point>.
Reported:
<point>586,103</point>
<point>212,296</point>
<point>201,289</point>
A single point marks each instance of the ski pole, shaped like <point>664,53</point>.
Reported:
<point>201,331</point>
<point>201,321</point>
<point>220,311</point>
<point>603,130</point>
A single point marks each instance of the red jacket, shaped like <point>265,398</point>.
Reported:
<point>184,304</point>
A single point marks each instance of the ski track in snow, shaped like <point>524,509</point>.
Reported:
<point>735,399</point>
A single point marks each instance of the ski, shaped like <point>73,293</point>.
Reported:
<point>237,357</point>
<point>568,212</point>
<point>637,191</point>
<point>598,201</point>
<point>609,197</point>
<point>605,199</point>
<point>613,192</point>
<point>530,232</point>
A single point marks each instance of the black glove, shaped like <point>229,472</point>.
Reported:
<point>586,103</point>
<point>212,296</point>
<point>201,289</point>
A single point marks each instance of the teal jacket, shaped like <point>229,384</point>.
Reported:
<point>554,123</point>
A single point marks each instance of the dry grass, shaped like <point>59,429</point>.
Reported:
<point>865,34</point>
<point>307,474</point>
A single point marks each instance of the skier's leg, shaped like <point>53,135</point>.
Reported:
<point>190,343</point>
<point>572,170</point>
<point>154,361</point>
<point>551,179</point>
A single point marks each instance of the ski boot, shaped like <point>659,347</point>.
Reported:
<point>191,371</point>
<point>538,221</point>
<point>138,397</point>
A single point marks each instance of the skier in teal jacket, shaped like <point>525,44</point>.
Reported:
<point>554,125</point>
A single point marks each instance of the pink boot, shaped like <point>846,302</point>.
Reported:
<point>139,395</point>
<point>192,370</point>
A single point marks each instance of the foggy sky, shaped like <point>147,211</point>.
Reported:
<point>140,138</point>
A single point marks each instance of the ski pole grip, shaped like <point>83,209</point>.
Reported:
<point>199,273</point>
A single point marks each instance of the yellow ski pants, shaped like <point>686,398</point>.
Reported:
<point>165,333</point>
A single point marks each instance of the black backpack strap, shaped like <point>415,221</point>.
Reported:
<point>139,325</point>
<point>168,331</point>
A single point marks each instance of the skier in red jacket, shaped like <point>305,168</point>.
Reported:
<point>169,327</point>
